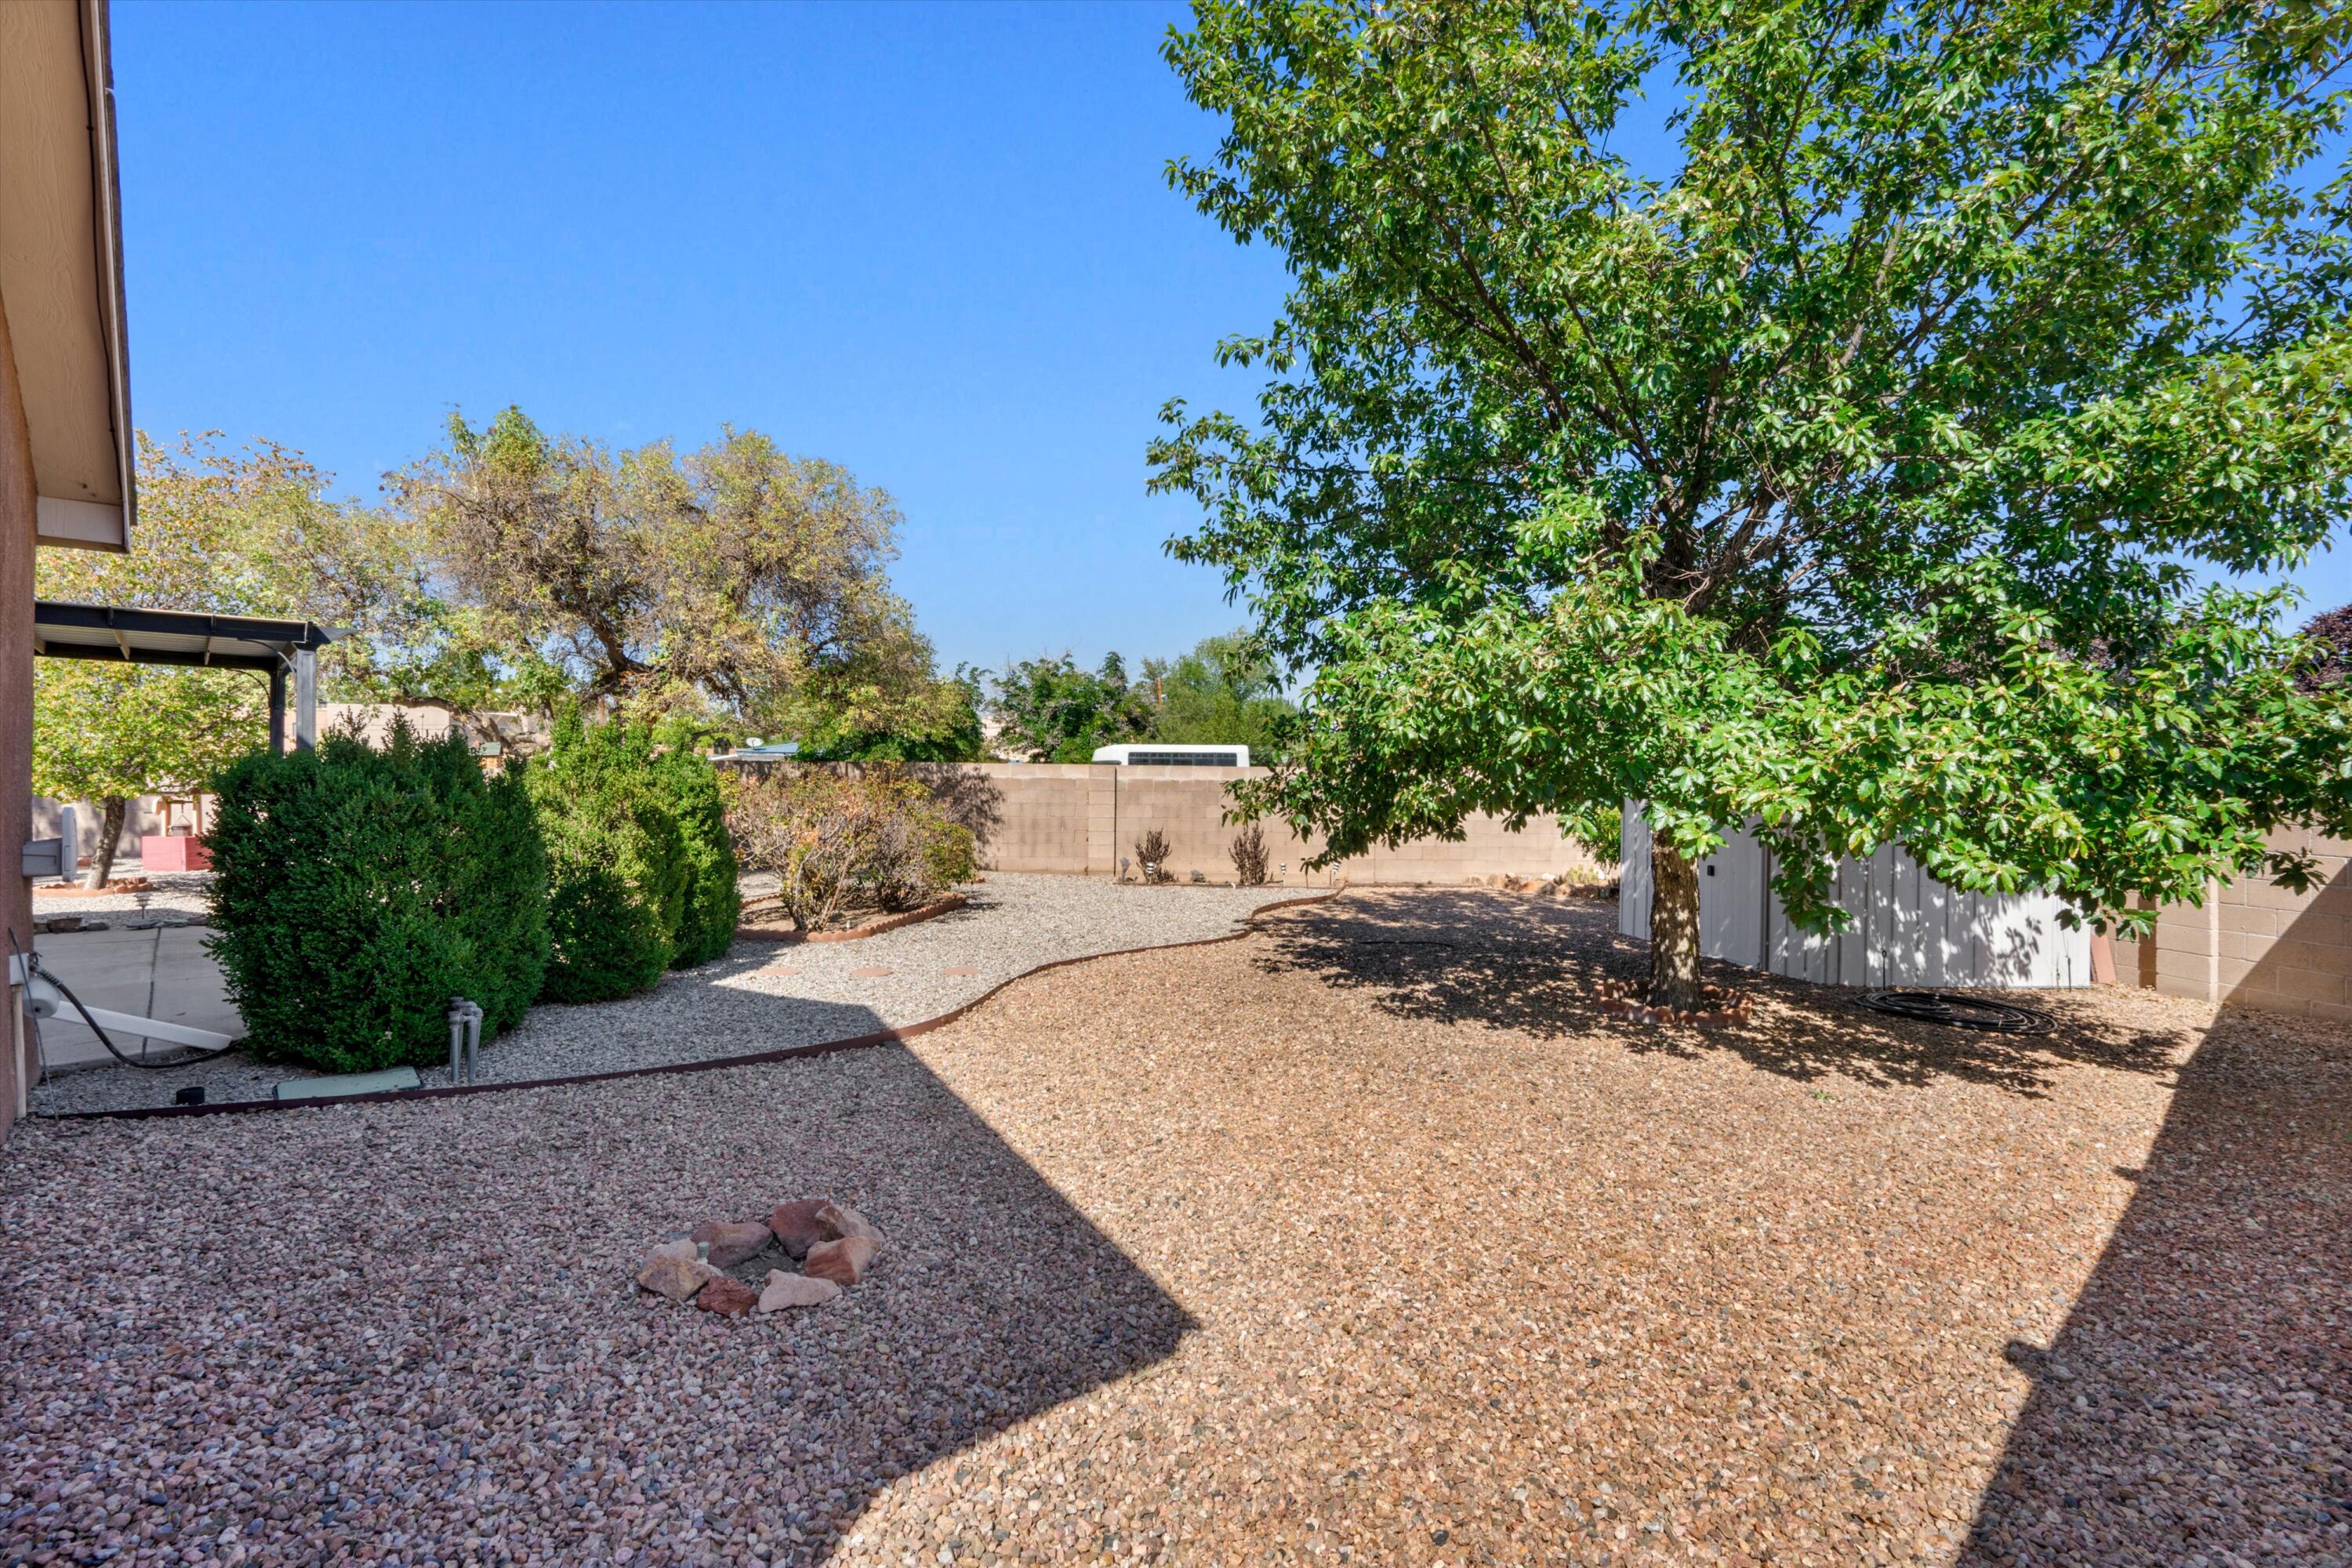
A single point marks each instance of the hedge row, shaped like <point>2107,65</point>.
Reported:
<point>357,889</point>
<point>644,876</point>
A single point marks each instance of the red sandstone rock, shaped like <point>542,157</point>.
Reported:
<point>796,1290</point>
<point>844,1262</point>
<point>732,1241</point>
<point>840,1220</point>
<point>666,1273</point>
<point>796,1225</point>
<point>728,1296</point>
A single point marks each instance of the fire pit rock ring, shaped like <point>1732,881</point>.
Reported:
<point>735,1267</point>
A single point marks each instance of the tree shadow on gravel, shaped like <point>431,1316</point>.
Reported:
<point>1533,967</point>
<point>2197,1407</point>
<point>409,1331</point>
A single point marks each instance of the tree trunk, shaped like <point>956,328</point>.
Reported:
<point>113,810</point>
<point>1673,928</point>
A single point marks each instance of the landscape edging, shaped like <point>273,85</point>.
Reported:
<point>782,1053</point>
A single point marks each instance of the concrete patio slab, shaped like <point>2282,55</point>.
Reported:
<point>162,973</point>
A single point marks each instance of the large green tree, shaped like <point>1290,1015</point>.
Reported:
<point>1224,693</point>
<point>1848,466</point>
<point>1051,710</point>
<point>254,531</point>
<point>737,580</point>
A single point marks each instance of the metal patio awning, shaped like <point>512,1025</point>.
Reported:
<point>115,634</point>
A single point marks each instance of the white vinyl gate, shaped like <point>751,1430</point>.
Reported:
<point>1908,929</point>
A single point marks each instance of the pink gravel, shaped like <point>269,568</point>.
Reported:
<point>1365,1239</point>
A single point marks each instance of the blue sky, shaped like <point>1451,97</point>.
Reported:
<point>931,242</point>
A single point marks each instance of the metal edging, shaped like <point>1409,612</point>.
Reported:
<point>784,1054</point>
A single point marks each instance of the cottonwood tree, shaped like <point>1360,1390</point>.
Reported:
<point>738,576</point>
<point>1848,466</point>
<point>253,531</point>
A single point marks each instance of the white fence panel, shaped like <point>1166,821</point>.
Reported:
<point>1908,928</point>
<point>1633,874</point>
<point>1731,913</point>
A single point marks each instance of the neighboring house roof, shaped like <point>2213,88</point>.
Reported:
<point>61,266</point>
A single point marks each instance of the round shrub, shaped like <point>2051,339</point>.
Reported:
<point>642,876</point>
<point>706,926</point>
<point>356,891</point>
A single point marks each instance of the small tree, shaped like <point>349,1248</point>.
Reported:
<point>109,733</point>
<point>1846,469</point>
<point>619,876</point>
<point>707,923</point>
<point>1050,710</point>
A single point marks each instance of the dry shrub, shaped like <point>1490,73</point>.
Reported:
<point>1248,852</point>
<point>1151,852</point>
<point>844,843</point>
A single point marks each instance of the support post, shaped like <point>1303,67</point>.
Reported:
<point>306,698</point>
<point>278,711</point>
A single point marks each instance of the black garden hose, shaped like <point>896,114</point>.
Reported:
<point>1959,1010</point>
<point>186,1054</point>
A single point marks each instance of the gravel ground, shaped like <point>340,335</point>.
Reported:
<point>175,892</point>
<point>1361,1239</point>
<point>762,996</point>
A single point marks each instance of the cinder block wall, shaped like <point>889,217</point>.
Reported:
<point>1084,818</point>
<point>2257,944</point>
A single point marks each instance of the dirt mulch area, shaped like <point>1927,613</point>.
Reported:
<point>1365,1239</point>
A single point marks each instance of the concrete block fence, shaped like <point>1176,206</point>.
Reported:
<point>1082,819</point>
<point>2255,944</point>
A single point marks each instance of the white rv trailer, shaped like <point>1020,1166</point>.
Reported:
<point>1157,754</point>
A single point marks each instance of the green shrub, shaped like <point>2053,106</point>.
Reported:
<point>841,844</point>
<point>357,891</point>
<point>642,873</point>
<point>706,927</point>
<point>950,856</point>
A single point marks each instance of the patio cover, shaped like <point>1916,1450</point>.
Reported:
<point>192,638</point>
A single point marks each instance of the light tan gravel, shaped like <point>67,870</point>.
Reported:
<point>1359,1240</point>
